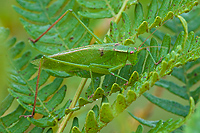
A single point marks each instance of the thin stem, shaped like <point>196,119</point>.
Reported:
<point>72,105</point>
<point>119,15</point>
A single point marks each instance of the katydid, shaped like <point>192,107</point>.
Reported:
<point>89,61</point>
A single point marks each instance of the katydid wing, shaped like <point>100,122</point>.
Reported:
<point>100,59</point>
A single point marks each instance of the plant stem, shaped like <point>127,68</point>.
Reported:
<point>73,104</point>
<point>123,8</point>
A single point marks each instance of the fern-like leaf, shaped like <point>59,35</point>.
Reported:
<point>67,34</point>
<point>193,124</point>
<point>168,125</point>
<point>22,87</point>
<point>141,77</point>
<point>11,122</point>
<point>143,83</point>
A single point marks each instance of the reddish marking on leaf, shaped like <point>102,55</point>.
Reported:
<point>91,96</point>
<point>126,83</point>
<point>117,44</point>
<point>159,61</point>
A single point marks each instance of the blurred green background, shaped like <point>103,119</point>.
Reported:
<point>122,124</point>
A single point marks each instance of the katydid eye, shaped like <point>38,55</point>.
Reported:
<point>131,52</point>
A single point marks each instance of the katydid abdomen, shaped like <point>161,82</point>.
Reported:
<point>98,59</point>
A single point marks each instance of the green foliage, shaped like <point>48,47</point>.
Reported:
<point>22,86</point>
<point>193,124</point>
<point>176,51</point>
<point>168,125</point>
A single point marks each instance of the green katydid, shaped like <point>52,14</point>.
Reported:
<point>89,61</point>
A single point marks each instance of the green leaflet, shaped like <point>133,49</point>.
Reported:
<point>5,104</point>
<point>193,124</point>
<point>139,129</point>
<point>13,117</point>
<point>91,123</point>
<point>180,91</point>
<point>168,105</point>
<point>100,9</point>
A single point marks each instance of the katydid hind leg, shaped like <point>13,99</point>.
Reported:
<point>36,91</point>
<point>79,20</point>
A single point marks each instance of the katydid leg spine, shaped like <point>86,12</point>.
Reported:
<point>101,54</point>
